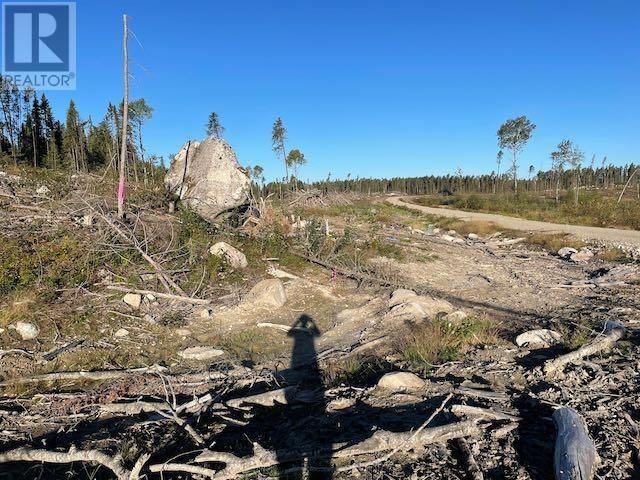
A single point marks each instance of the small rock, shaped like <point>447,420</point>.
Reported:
<point>473,236</point>
<point>455,317</point>
<point>150,297</point>
<point>268,292</point>
<point>27,330</point>
<point>399,382</point>
<point>204,313</point>
<point>183,332</point>
<point>340,404</point>
<point>200,353</point>
<point>87,220</point>
<point>121,333</point>
<point>401,295</point>
<point>43,190</point>
<point>540,338</point>
<point>448,238</point>
<point>583,256</point>
<point>133,299</point>
<point>566,252</point>
<point>232,255</point>
<point>149,318</point>
<point>452,232</point>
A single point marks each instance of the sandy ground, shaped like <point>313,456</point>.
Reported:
<point>614,235</point>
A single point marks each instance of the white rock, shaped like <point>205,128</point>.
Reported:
<point>455,317</point>
<point>27,330</point>
<point>204,313</point>
<point>401,295</point>
<point>268,292</point>
<point>584,255</point>
<point>121,333</point>
<point>183,332</point>
<point>398,382</point>
<point>452,232</point>
<point>566,252</point>
<point>473,236</point>
<point>200,353</point>
<point>539,338</point>
<point>448,238</point>
<point>232,255</point>
<point>43,190</point>
<point>133,299</point>
<point>213,181</point>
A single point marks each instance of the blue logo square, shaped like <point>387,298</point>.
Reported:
<point>38,44</point>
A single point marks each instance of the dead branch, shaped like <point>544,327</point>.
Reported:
<point>613,332</point>
<point>488,413</point>
<point>575,455</point>
<point>97,375</point>
<point>169,296</point>
<point>183,467</point>
<point>467,455</point>
<point>380,441</point>
<point>73,455</point>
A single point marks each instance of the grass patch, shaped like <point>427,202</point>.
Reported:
<point>594,209</point>
<point>429,344</point>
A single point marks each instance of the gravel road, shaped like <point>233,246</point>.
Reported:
<point>609,235</point>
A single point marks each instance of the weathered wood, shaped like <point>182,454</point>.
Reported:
<point>169,296</point>
<point>613,332</point>
<point>97,375</point>
<point>575,455</point>
<point>475,473</point>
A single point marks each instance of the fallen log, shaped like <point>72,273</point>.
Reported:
<point>488,413</point>
<point>73,455</point>
<point>575,455</point>
<point>380,441</point>
<point>475,473</point>
<point>169,296</point>
<point>613,332</point>
<point>96,375</point>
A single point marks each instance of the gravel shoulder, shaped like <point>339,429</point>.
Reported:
<point>613,235</point>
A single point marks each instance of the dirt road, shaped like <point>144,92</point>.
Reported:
<point>613,235</point>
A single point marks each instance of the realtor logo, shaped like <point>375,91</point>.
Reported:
<point>39,44</point>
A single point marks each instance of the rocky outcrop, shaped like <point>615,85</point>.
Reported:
<point>208,178</point>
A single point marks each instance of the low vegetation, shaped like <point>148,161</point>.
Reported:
<point>594,209</point>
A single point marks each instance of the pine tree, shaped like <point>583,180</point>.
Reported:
<point>214,127</point>
<point>278,137</point>
<point>74,143</point>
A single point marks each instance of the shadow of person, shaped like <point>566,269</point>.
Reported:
<point>307,407</point>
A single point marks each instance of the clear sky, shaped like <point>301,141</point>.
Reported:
<point>371,88</point>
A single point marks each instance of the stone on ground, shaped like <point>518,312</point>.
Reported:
<point>213,181</point>
<point>27,330</point>
<point>268,292</point>
<point>398,382</point>
<point>121,333</point>
<point>455,317</point>
<point>232,255</point>
<point>133,299</point>
<point>566,252</point>
<point>540,338</point>
<point>200,353</point>
<point>583,256</point>
<point>401,295</point>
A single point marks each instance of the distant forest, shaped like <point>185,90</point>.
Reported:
<point>605,177</point>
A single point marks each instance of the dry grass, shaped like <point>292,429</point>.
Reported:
<point>428,344</point>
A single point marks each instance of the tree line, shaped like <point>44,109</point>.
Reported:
<point>31,135</point>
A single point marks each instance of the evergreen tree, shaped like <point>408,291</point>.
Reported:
<point>278,137</point>
<point>214,127</point>
<point>74,143</point>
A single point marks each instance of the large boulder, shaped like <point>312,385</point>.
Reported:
<point>267,293</point>
<point>212,181</point>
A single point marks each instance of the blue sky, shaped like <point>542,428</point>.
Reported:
<point>371,88</point>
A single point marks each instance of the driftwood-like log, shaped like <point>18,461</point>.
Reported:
<point>613,332</point>
<point>73,455</point>
<point>475,473</point>
<point>380,441</point>
<point>575,455</point>
<point>488,413</point>
<point>97,375</point>
<point>169,296</point>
